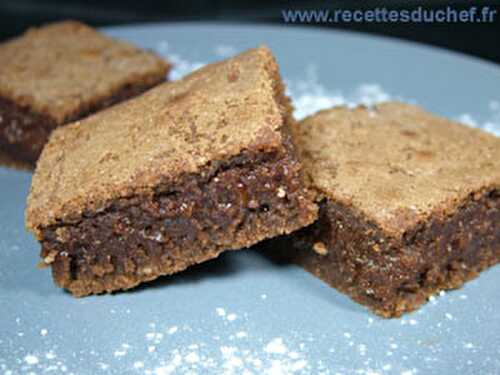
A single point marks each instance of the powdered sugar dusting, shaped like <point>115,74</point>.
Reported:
<point>240,348</point>
<point>226,338</point>
<point>232,317</point>
<point>172,330</point>
<point>225,51</point>
<point>276,346</point>
<point>273,358</point>
<point>491,123</point>
<point>309,96</point>
<point>220,311</point>
<point>181,66</point>
<point>31,359</point>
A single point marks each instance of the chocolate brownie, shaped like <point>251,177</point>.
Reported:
<point>60,73</point>
<point>169,179</point>
<point>409,203</point>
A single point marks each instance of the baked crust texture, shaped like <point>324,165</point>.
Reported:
<point>409,203</point>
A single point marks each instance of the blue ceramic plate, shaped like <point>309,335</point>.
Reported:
<point>242,314</point>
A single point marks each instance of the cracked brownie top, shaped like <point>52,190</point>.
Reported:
<point>396,163</point>
<point>59,68</point>
<point>174,129</point>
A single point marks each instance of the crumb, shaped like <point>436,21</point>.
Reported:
<point>320,248</point>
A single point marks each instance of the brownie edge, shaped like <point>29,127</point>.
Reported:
<point>23,133</point>
<point>60,73</point>
<point>409,204</point>
<point>212,169</point>
<point>395,276</point>
<point>246,200</point>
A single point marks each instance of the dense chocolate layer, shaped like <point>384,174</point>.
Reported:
<point>23,133</point>
<point>393,276</point>
<point>135,239</point>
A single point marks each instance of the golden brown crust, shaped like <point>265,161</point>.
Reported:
<point>61,68</point>
<point>395,163</point>
<point>175,128</point>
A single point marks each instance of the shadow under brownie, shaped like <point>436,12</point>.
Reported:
<point>409,204</point>
<point>60,73</point>
<point>169,179</point>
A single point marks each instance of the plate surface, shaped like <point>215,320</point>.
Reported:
<point>242,314</point>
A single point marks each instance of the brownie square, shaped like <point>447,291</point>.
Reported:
<point>62,72</point>
<point>409,204</point>
<point>170,178</point>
